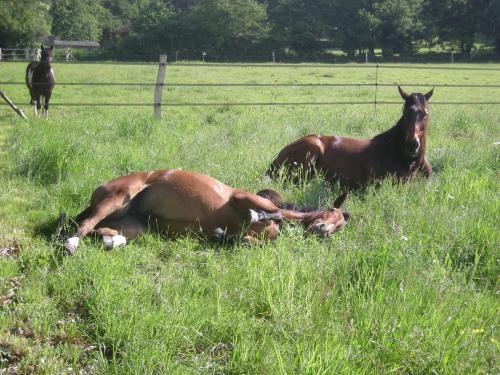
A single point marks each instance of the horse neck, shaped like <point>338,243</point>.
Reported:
<point>394,138</point>
<point>44,66</point>
<point>302,216</point>
<point>393,135</point>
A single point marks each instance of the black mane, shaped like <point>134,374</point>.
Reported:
<point>277,200</point>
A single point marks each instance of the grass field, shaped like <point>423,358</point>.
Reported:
<point>410,285</point>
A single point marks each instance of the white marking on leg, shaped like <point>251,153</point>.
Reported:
<point>71,244</point>
<point>110,242</point>
<point>254,216</point>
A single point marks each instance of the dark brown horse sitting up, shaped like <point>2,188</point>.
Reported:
<point>174,202</point>
<point>397,152</point>
<point>40,80</point>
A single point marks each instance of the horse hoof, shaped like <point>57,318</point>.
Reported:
<point>110,242</point>
<point>71,244</point>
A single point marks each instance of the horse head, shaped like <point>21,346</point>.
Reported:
<point>328,221</point>
<point>47,54</point>
<point>414,120</point>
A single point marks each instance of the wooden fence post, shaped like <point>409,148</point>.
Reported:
<point>159,85</point>
<point>12,105</point>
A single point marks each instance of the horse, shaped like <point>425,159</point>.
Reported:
<point>173,202</point>
<point>40,80</point>
<point>398,152</point>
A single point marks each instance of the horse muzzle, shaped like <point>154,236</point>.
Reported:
<point>322,230</point>
<point>412,147</point>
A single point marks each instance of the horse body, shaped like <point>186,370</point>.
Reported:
<point>40,80</point>
<point>174,202</point>
<point>397,152</point>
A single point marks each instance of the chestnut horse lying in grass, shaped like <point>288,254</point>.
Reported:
<point>398,152</point>
<point>174,202</point>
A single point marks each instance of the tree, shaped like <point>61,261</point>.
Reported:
<point>399,25</point>
<point>355,26</point>
<point>219,27</point>
<point>299,24</point>
<point>22,22</point>
<point>489,23</point>
<point>119,15</point>
<point>77,19</point>
<point>226,26</point>
<point>455,20</point>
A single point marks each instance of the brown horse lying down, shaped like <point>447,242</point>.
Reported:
<point>174,202</point>
<point>398,152</point>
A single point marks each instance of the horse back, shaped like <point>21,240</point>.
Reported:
<point>347,158</point>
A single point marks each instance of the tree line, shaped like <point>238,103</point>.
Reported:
<point>250,28</point>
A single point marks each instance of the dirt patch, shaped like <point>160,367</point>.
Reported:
<point>10,356</point>
<point>11,250</point>
<point>9,296</point>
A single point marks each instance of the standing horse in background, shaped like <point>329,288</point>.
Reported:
<point>398,152</point>
<point>40,80</point>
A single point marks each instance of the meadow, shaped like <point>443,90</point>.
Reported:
<point>410,285</point>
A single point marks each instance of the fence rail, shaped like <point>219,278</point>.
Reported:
<point>16,54</point>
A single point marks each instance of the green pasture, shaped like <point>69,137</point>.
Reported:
<point>410,285</point>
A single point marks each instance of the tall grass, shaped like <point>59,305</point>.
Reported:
<point>409,286</point>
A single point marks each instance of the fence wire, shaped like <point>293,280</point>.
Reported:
<point>253,104</point>
<point>150,84</point>
<point>374,85</point>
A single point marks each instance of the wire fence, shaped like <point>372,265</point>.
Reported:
<point>375,85</point>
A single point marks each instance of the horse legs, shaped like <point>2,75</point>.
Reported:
<point>299,158</point>
<point>115,232</point>
<point>92,216</point>
<point>32,96</point>
<point>38,104</point>
<point>260,214</point>
<point>426,168</point>
<point>46,105</point>
<point>257,208</point>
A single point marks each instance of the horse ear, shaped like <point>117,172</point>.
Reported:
<point>403,94</point>
<point>340,200</point>
<point>429,94</point>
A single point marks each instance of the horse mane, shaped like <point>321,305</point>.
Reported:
<point>278,201</point>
